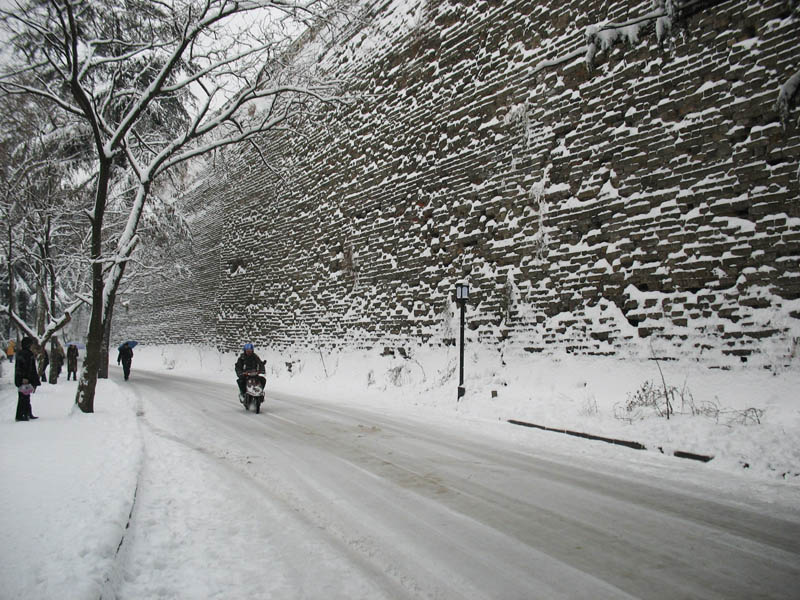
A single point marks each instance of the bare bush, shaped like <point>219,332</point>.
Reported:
<point>748,416</point>
<point>708,408</point>
<point>663,400</point>
<point>649,399</point>
<point>395,375</point>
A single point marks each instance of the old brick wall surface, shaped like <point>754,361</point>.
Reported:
<point>650,200</point>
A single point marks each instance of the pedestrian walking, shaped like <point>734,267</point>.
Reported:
<point>10,349</point>
<point>57,357</point>
<point>43,360</point>
<point>72,362</point>
<point>26,378</point>
<point>125,356</point>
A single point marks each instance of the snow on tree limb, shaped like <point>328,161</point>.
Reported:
<point>52,327</point>
<point>786,96</point>
<point>601,36</point>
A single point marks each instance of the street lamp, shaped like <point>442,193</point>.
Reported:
<point>462,294</point>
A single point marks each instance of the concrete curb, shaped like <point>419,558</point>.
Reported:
<point>627,443</point>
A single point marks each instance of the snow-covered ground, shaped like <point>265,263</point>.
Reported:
<point>68,478</point>
<point>747,419</point>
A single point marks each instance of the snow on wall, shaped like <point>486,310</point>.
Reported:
<point>648,202</point>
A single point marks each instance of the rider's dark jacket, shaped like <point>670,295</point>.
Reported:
<point>249,363</point>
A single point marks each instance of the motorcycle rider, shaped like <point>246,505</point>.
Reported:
<point>248,361</point>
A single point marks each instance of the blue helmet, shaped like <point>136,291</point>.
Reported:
<point>248,346</point>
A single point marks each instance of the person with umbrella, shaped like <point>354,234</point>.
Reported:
<point>125,357</point>
<point>72,362</point>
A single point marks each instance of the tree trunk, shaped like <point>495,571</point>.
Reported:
<point>12,291</point>
<point>51,272</point>
<point>102,371</point>
<point>44,305</point>
<point>108,317</point>
<point>88,383</point>
<point>41,312</point>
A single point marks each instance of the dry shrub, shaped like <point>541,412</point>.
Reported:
<point>664,400</point>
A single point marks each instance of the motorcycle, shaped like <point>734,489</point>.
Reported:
<point>254,391</point>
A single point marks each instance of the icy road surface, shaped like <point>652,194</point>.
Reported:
<point>314,500</point>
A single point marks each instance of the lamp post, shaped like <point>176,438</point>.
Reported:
<point>462,293</point>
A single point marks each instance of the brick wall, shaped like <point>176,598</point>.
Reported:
<point>652,200</point>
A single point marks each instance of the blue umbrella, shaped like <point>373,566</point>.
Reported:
<point>78,345</point>
<point>131,344</point>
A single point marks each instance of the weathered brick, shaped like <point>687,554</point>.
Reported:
<point>643,163</point>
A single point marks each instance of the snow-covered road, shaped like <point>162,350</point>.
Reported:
<point>314,500</point>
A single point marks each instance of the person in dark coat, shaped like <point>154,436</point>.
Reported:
<point>72,362</point>
<point>248,361</point>
<point>56,360</point>
<point>125,357</point>
<point>26,378</point>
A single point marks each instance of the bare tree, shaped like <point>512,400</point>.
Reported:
<point>156,84</point>
<point>37,213</point>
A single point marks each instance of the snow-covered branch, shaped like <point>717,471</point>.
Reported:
<point>11,87</point>
<point>786,96</point>
<point>18,321</point>
<point>51,328</point>
<point>191,31</point>
<point>214,68</point>
<point>602,36</point>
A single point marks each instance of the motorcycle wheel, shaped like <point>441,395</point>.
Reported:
<point>247,402</point>
<point>258,405</point>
